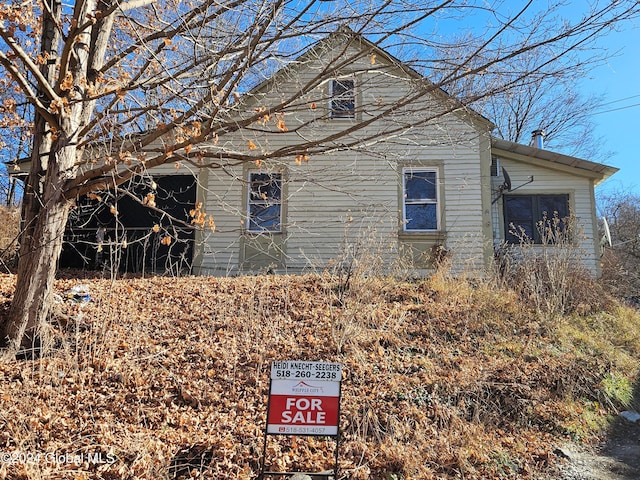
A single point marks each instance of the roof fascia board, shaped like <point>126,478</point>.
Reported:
<point>599,176</point>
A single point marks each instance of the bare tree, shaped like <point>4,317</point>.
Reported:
<point>622,258</point>
<point>119,87</point>
<point>548,98</point>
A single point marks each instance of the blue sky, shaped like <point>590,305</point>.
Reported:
<point>617,80</point>
<point>618,124</point>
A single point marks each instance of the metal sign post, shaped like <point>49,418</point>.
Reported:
<point>304,399</point>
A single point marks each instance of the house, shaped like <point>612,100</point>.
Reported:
<point>425,177</point>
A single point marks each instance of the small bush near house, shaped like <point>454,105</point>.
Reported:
<point>549,276</point>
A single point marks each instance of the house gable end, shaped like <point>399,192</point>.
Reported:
<point>345,52</point>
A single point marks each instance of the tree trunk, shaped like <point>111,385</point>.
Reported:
<point>44,213</point>
<point>41,243</point>
<point>53,164</point>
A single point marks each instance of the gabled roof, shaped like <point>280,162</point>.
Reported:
<point>344,35</point>
<point>598,171</point>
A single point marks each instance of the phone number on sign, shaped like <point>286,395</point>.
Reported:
<point>302,430</point>
<point>321,375</point>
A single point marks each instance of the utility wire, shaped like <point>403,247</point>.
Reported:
<point>619,100</point>
<point>616,109</point>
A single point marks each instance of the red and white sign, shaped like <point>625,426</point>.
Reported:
<point>302,401</point>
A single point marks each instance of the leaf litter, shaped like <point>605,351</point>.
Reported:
<point>168,378</point>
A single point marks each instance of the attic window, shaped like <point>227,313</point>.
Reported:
<point>343,98</point>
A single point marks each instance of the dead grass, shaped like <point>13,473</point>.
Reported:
<point>9,230</point>
<point>165,378</point>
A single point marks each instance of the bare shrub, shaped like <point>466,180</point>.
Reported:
<point>9,231</point>
<point>549,276</point>
<point>620,277</point>
<point>621,261</point>
<point>358,277</point>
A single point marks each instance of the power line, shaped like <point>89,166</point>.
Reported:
<point>616,109</point>
<point>619,100</point>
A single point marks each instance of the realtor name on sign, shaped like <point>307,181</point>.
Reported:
<point>304,398</point>
<point>321,371</point>
<point>307,366</point>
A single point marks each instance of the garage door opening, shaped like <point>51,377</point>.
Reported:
<point>140,227</point>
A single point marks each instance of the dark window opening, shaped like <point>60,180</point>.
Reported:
<point>535,218</point>
<point>495,167</point>
<point>143,226</point>
<point>343,99</point>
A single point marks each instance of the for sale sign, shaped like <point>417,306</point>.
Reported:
<point>304,398</point>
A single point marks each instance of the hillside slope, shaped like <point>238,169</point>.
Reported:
<point>165,378</point>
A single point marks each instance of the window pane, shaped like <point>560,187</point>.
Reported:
<point>420,185</point>
<point>552,204</point>
<point>264,201</point>
<point>342,98</point>
<point>552,210</point>
<point>421,217</point>
<point>342,108</point>
<point>342,87</point>
<point>264,217</point>
<point>517,232</point>
<point>524,215</point>
<point>518,207</point>
<point>265,186</point>
<point>518,218</point>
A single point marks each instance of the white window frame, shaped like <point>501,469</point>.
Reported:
<point>342,114</point>
<point>427,201</point>
<point>266,202</point>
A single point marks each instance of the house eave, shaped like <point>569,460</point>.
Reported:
<point>597,171</point>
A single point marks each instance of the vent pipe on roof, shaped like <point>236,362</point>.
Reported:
<point>537,139</point>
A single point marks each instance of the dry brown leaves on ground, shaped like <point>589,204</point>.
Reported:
<point>168,378</point>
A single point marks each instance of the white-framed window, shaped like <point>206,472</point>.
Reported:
<point>342,95</point>
<point>265,202</point>
<point>420,208</point>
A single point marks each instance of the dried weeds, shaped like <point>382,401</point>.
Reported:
<point>168,378</point>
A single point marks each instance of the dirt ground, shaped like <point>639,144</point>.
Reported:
<point>618,458</point>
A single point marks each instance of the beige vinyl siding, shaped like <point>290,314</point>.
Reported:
<point>219,250</point>
<point>336,202</point>
<point>464,209</point>
<point>554,181</point>
<point>350,196</point>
